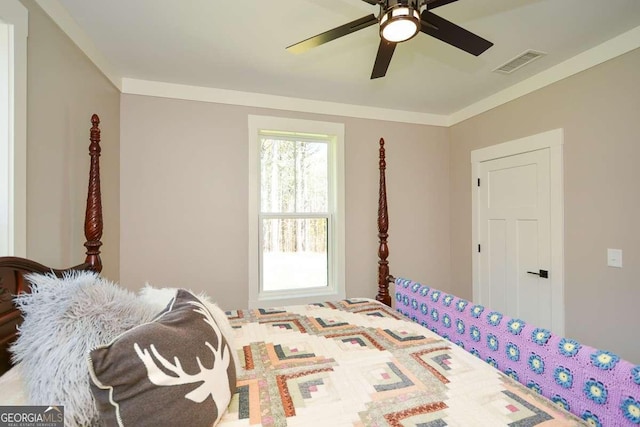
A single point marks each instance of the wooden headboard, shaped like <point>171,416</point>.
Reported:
<point>12,269</point>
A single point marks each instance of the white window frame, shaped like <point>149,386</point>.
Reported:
<point>13,122</point>
<point>336,220</point>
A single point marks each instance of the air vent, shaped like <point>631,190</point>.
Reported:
<point>519,61</point>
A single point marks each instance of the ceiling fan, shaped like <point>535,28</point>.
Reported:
<point>401,20</point>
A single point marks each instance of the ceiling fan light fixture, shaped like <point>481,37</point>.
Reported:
<point>399,24</point>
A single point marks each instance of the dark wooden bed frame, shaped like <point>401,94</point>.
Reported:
<point>13,269</point>
<point>384,278</point>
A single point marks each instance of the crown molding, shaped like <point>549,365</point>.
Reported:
<point>70,27</point>
<point>250,99</point>
<point>626,42</point>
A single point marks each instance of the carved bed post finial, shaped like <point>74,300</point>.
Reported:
<point>93,216</point>
<point>383,226</point>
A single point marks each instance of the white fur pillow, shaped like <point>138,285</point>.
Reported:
<point>64,319</point>
<point>161,297</point>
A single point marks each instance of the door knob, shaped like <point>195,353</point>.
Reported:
<point>542,273</point>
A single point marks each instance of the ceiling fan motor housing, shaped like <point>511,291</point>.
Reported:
<point>418,5</point>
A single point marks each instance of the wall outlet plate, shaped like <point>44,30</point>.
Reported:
<point>614,258</point>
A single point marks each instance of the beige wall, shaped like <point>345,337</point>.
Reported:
<point>599,110</point>
<point>184,197</point>
<point>63,89</point>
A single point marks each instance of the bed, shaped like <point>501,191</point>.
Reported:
<point>170,357</point>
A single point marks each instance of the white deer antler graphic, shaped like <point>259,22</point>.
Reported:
<point>214,381</point>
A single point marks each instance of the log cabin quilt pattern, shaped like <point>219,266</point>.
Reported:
<point>356,362</point>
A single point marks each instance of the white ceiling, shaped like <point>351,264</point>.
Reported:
<point>240,46</point>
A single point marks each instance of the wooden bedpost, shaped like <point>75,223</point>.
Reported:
<point>93,216</point>
<point>13,269</point>
<point>383,226</point>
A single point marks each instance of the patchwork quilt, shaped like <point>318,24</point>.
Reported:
<point>357,363</point>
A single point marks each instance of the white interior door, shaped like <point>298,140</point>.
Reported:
<point>514,218</point>
<point>515,256</point>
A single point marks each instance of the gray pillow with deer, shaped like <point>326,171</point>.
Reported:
<point>175,370</point>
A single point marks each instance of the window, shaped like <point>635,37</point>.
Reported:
<point>296,218</point>
<point>13,116</point>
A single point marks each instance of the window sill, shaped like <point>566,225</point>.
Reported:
<point>282,298</point>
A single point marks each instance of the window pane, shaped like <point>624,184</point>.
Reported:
<point>294,253</point>
<point>293,175</point>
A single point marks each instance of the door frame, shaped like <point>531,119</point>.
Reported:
<point>14,23</point>
<point>553,140</point>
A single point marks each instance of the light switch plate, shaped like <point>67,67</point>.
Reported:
<point>614,258</point>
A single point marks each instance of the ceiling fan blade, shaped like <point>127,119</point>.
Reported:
<point>333,34</point>
<point>452,34</point>
<point>375,2</point>
<point>383,58</point>
<point>437,3</point>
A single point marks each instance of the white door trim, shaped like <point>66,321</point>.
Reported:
<point>14,24</point>
<point>553,139</point>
